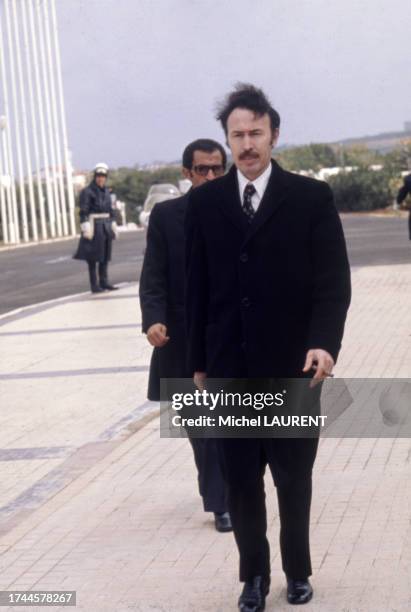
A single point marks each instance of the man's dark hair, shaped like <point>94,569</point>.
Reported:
<point>251,98</point>
<point>202,144</point>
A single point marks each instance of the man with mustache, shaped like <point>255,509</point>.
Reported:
<point>162,308</point>
<point>268,288</point>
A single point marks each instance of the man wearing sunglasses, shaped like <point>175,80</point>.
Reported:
<point>162,307</point>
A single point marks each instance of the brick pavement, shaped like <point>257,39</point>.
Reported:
<point>94,500</point>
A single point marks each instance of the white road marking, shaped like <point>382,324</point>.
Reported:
<point>58,259</point>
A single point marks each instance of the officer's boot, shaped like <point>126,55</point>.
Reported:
<point>102,273</point>
<point>93,277</point>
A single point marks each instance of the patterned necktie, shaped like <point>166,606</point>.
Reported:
<point>248,209</point>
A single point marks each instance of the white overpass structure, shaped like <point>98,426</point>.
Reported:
<point>36,186</point>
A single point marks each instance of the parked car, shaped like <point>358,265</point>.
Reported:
<point>157,193</point>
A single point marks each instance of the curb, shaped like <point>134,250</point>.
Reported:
<point>54,301</point>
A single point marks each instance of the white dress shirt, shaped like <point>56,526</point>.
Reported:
<point>260,184</point>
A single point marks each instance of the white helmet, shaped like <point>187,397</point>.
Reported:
<point>101,168</point>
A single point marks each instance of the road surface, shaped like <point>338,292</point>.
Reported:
<point>42,272</point>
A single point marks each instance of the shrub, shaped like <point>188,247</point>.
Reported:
<point>362,189</point>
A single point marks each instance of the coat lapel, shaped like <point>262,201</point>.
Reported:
<point>274,195</point>
<point>182,203</point>
<point>229,202</point>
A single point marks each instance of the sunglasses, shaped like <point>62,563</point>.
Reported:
<point>203,169</point>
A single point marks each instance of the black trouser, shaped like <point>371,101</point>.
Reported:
<point>102,273</point>
<point>210,477</point>
<point>102,265</point>
<point>290,461</point>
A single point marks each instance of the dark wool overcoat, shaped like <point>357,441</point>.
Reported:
<point>93,199</point>
<point>162,290</point>
<point>260,294</point>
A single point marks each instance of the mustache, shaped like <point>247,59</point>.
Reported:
<point>249,155</point>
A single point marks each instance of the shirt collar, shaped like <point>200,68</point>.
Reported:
<point>260,183</point>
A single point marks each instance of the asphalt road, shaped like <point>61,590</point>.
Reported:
<point>33,274</point>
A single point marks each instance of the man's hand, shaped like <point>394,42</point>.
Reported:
<point>199,380</point>
<point>320,361</point>
<point>114,228</point>
<point>157,335</point>
<point>86,230</point>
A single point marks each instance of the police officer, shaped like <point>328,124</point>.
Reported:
<point>98,229</point>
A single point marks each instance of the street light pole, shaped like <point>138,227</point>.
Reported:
<point>54,122</point>
<point>33,120</point>
<point>3,209</point>
<point>67,160</point>
<point>43,139</point>
<point>49,123</point>
<point>8,219</point>
<point>14,233</point>
<point>24,123</point>
<point>16,122</point>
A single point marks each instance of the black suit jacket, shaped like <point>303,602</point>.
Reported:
<point>260,295</point>
<point>162,290</point>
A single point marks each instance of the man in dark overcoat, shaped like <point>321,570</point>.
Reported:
<point>268,288</point>
<point>162,306</point>
<point>98,229</point>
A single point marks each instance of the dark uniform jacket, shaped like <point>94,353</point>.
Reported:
<point>162,290</point>
<point>259,295</point>
<point>404,191</point>
<point>93,199</point>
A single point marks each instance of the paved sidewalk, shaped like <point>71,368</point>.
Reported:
<point>93,500</point>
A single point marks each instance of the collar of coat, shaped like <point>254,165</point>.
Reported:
<point>274,196</point>
<point>93,185</point>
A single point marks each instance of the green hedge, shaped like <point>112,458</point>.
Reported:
<point>362,190</point>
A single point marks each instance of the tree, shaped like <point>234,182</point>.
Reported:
<point>360,155</point>
<point>399,159</point>
<point>308,157</point>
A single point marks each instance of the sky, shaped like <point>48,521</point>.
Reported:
<point>142,77</point>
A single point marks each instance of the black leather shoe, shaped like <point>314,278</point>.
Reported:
<point>298,591</point>
<point>222,522</point>
<point>108,287</point>
<point>252,599</point>
<point>96,289</point>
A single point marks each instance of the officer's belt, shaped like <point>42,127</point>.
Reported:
<point>99,216</point>
<point>92,218</point>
